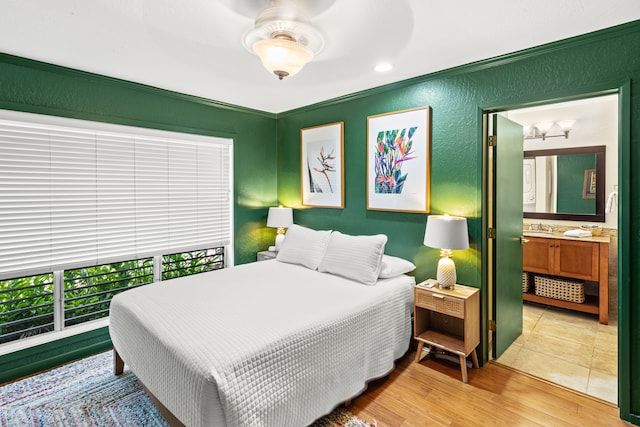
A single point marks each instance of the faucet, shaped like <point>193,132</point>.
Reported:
<point>540,227</point>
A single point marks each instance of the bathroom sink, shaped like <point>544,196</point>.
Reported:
<point>536,233</point>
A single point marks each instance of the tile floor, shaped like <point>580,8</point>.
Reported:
<point>568,348</point>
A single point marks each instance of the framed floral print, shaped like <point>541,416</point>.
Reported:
<point>398,160</point>
<point>322,165</point>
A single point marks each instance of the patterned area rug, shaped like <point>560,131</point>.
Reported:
<point>86,393</point>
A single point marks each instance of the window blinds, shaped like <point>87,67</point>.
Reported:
<point>75,193</point>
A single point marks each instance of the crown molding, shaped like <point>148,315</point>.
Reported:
<point>616,31</point>
<point>140,87</point>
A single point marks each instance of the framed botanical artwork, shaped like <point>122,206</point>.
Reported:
<point>398,160</point>
<point>589,186</point>
<point>322,165</point>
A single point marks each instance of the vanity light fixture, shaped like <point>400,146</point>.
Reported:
<point>566,126</point>
<point>446,233</point>
<point>541,130</point>
<point>544,128</point>
<point>279,218</point>
<point>283,38</point>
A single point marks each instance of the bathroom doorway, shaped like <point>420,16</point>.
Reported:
<point>568,347</point>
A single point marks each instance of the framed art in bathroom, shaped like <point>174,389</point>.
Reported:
<point>589,186</point>
<point>322,165</point>
<point>399,160</point>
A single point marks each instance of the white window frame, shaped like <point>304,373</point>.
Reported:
<point>100,128</point>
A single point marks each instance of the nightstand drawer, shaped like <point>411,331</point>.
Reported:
<point>440,303</point>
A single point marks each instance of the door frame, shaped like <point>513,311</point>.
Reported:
<point>623,90</point>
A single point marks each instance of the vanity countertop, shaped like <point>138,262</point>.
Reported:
<point>560,235</point>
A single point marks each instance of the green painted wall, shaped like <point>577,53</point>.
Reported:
<point>267,150</point>
<point>35,87</point>
<point>28,361</point>
<point>603,61</point>
<point>571,182</point>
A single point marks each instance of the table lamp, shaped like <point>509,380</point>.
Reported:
<point>279,218</point>
<point>446,233</point>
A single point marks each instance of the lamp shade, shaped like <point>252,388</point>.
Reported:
<point>446,232</point>
<point>280,217</point>
<point>281,56</point>
<point>566,125</point>
<point>544,127</point>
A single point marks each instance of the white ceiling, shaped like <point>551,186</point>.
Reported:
<point>194,46</point>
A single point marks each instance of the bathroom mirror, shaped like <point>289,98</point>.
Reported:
<point>565,184</point>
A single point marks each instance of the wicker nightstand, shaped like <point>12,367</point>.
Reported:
<point>448,319</point>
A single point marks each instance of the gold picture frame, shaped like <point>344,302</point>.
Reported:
<point>322,165</point>
<point>399,161</point>
<point>589,185</point>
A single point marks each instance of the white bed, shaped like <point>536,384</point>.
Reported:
<point>262,344</point>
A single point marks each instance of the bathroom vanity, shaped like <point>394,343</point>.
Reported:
<point>573,258</point>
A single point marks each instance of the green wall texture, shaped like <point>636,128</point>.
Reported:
<point>267,151</point>
<point>596,63</point>
<point>36,87</point>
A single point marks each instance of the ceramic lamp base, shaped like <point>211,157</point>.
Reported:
<point>446,273</point>
<point>279,240</point>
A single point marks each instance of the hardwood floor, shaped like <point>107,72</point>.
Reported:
<point>430,393</point>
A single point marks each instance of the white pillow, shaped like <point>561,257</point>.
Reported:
<point>303,246</point>
<point>393,266</point>
<point>354,257</point>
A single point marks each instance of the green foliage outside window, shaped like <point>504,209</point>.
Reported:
<point>186,263</point>
<point>26,307</point>
<point>27,303</point>
<point>88,291</point>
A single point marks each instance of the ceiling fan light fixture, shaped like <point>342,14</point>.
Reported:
<point>282,55</point>
<point>283,37</point>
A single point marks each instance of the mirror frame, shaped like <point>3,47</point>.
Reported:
<point>599,151</point>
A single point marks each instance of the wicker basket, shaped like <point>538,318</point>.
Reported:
<point>525,282</point>
<point>557,288</point>
<point>594,229</point>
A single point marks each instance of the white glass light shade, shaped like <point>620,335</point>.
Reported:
<point>566,125</point>
<point>544,127</point>
<point>280,217</point>
<point>281,56</point>
<point>446,232</point>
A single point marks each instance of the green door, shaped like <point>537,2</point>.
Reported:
<point>507,256</point>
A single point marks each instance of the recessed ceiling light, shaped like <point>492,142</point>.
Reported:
<point>383,67</point>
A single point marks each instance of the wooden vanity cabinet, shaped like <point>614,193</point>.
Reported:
<point>575,259</point>
<point>537,255</point>
<point>568,258</point>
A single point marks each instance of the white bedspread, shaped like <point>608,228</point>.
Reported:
<point>261,344</point>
